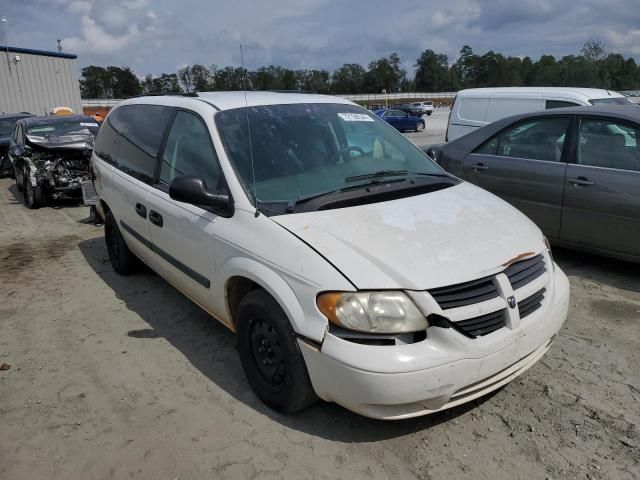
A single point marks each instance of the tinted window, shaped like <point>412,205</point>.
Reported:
<point>488,148</point>
<point>560,104</point>
<point>131,137</point>
<point>6,127</point>
<point>540,139</point>
<point>189,151</point>
<point>607,143</point>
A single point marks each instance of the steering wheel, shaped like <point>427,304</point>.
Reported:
<point>346,150</point>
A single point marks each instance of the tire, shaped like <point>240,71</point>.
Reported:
<point>123,261</point>
<point>270,356</point>
<point>33,197</point>
<point>419,126</point>
<point>429,114</point>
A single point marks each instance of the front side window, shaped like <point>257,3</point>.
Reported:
<point>609,144</point>
<point>131,137</point>
<point>189,152</point>
<point>303,149</point>
<point>539,139</point>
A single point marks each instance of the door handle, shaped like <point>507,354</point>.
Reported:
<point>580,182</point>
<point>155,218</point>
<point>141,210</point>
<point>479,166</point>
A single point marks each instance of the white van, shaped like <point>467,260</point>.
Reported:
<point>350,265</point>
<point>476,107</point>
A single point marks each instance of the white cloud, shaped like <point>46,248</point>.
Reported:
<point>111,27</point>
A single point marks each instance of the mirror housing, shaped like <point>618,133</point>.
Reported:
<point>193,190</point>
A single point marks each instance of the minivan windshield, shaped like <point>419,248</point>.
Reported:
<point>301,150</point>
<point>611,101</point>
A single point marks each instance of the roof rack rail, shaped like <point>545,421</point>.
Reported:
<point>167,94</point>
<point>291,91</point>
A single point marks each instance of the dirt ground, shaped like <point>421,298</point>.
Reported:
<point>123,377</point>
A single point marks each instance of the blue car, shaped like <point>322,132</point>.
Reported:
<point>401,120</point>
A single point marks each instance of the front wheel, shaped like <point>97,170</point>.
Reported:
<point>419,127</point>
<point>270,356</point>
<point>429,114</point>
<point>34,197</point>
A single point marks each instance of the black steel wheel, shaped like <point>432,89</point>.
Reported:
<point>122,259</point>
<point>267,353</point>
<point>270,356</point>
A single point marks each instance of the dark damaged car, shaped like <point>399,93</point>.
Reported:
<point>7,123</point>
<point>50,157</point>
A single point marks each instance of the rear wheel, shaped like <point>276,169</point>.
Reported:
<point>122,259</point>
<point>270,356</point>
<point>420,126</point>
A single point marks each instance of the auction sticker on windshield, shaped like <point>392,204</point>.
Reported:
<point>355,117</point>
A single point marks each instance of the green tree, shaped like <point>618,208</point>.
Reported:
<point>384,74</point>
<point>349,78</point>
<point>432,72</point>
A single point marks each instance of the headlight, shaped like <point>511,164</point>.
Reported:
<point>376,312</point>
<point>546,242</point>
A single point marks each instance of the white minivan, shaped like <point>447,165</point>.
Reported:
<point>351,267</point>
<point>476,107</point>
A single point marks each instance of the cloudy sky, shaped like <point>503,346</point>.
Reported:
<point>162,35</point>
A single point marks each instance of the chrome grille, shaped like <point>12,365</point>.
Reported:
<point>525,271</point>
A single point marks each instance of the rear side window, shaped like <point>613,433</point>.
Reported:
<point>559,104</point>
<point>131,138</point>
<point>609,144</point>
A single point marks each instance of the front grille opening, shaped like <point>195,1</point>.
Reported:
<point>482,325</point>
<point>525,271</point>
<point>466,293</point>
<point>377,339</point>
<point>531,304</point>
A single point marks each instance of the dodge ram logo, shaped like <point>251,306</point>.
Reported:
<point>511,301</point>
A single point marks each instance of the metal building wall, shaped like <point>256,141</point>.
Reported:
<point>38,82</point>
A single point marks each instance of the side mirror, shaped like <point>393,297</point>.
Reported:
<point>193,190</point>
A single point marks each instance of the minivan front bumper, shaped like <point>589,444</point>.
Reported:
<point>396,382</point>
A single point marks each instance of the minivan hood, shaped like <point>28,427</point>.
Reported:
<point>440,238</point>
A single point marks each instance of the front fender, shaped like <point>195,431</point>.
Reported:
<point>305,319</point>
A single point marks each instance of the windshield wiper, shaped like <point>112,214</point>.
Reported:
<point>379,173</point>
<point>291,205</point>
<point>390,173</point>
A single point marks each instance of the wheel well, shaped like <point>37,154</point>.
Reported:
<point>102,208</point>
<point>237,289</point>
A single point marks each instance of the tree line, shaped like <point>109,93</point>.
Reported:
<point>592,67</point>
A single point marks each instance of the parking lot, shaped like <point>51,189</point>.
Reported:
<point>123,377</point>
